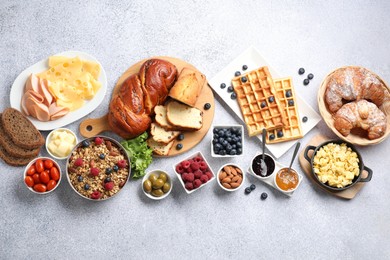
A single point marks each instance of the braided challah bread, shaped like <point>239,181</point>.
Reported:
<point>130,109</point>
<point>354,83</point>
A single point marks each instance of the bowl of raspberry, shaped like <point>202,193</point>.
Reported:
<point>194,172</point>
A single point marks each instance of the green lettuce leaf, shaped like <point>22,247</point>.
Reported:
<point>140,154</point>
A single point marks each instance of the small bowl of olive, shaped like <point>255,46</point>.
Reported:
<point>157,184</point>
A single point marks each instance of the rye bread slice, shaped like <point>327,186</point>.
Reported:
<point>21,131</point>
<point>13,161</point>
<point>12,149</point>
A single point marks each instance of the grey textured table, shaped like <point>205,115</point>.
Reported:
<point>208,223</point>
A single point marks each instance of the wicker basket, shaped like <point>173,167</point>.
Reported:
<point>357,136</point>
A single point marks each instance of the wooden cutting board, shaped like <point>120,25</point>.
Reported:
<point>345,194</point>
<point>94,126</point>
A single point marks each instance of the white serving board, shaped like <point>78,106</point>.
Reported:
<point>17,91</point>
<point>252,58</point>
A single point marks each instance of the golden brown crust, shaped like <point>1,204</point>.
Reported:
<point>353,83</point>
<point>361,114</point>
<point>188,86</point>
<point>130,110</point>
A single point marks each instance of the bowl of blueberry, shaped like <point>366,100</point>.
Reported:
<point>227,141</point>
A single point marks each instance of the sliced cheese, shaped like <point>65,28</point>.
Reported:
<point>72,80</point>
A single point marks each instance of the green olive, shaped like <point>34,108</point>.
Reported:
<point>157,184</point>
<point>147,186</point>
<point>166,187</point>
<point>152,177</point>
<point>163,176</point>
<point>157,193</point>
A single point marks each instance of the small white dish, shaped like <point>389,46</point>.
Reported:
<point>270,167</point>
<point>17,91</point>
<point>240,127</point>
<point>236,166</point>
<point>270,180</point>
<point>189,158</point>
<point>43,159</point>
<point>157,172</point>
<point>48,140</point>
<point>252,58</point>
<point>280,189</point>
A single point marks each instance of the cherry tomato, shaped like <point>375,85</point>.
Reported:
<point>39,165</point>
<point>51,185</point>
<point>44,177</point>
<point>48,164</point>
<point>29,181</point>
<point>36,178</point>
<point>31,170</point>
<point>54,173</point>
<point>40,187</point>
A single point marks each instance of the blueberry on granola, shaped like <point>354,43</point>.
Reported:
<point>102,156</point>
<point>85,143</point>
<point>86,186</point>
<point>115,168</point>
<point>108,170</point>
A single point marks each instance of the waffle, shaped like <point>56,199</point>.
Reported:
<point>292,130</point>
<point>254,90</point>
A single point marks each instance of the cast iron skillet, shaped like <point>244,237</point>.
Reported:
<point>354,181</point>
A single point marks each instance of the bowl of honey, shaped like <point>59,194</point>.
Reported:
<point>287,180</point>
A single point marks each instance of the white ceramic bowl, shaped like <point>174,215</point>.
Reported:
<point>120,148</point>
<point>286,191</point>
<point>189,158</point>
<point>43,159</point>
<point>157,172</point>
<point>240,127</point>
<point>259,176</point>
<point>236,166</point>
<point>48,139</point>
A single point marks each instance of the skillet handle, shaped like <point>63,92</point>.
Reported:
<point>306,153</point>
<point>369,176</point>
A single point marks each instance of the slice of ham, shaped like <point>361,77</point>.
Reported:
<point>38,102</point>
<point>56,111</point>
<point>44,89</point>
<point>32,83</point>
<point>36,109</point>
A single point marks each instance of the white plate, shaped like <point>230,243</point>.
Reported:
<point>252,58</point>
<point>17,91</point>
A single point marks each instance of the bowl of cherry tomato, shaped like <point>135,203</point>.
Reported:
<point>42,175</point>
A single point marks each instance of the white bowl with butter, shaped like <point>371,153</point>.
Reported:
<point>60,142</point>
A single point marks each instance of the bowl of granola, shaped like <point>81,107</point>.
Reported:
<point>98,168</point>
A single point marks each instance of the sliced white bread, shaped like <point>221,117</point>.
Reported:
<point>161,118</point>
<point>188,86</point>
<point>159,148</point>
<point>184,117</point>
<point>161,135</point>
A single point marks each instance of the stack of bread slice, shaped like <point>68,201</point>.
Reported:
<point>179,113</point>
<point>20,141</point>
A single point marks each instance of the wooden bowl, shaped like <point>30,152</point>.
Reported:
<point>357,136</point>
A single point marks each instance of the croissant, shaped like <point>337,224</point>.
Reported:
<point>354,83</point>
<point>130,109</point>
<point>362,114</point>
